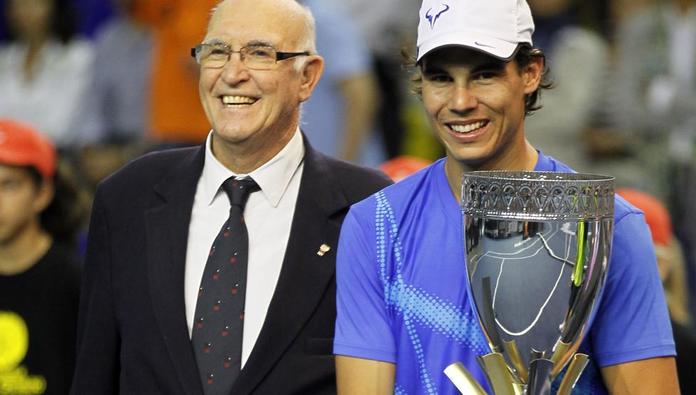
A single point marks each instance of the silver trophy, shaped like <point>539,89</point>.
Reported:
<point>537,251</point>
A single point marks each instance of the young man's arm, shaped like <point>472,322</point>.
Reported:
<point>632,336</point>
<point>364,376</point>
<point>649,376</point>
<point>364,342</point>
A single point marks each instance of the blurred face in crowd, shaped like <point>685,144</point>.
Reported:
<point>257,111</point>
<point>30,19</point>
<point>548,8</point>
<point>22,199</point>
<point>476,105</point>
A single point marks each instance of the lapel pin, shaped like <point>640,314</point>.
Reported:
<point>323,249</point>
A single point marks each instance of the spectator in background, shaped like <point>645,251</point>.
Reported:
<point>175,113</point>
<point>93,14</point>
<point>386,27</point>
<point>39,277</point>
<point>657,97</point>
<point>578,60</point>
<point>610,147</point>
<point>113,119</point>
<point>117,105</point>
<point>3,28</point>
<point>670,262</point>
<point>657,74</point>
<point>44,70</point>
<point>339,116</point>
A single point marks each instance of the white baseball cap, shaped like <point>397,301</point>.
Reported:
<point>495,27</point>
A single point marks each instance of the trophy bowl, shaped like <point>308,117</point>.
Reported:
<point>537,250</point>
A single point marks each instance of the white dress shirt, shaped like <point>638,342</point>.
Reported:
<point>268,216</point>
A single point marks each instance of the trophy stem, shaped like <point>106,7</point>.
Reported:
<point>560,352</point>
<point>540,377</point>
<point>575,368</point>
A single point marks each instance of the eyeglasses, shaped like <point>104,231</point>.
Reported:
<point>256,57</point>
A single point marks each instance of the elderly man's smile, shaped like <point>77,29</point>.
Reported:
<point>237,100</point>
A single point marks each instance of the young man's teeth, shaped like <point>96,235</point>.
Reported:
<point>467,128</point>
<point>237,100</point>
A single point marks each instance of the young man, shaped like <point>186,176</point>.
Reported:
<point>39,277</point>
<point>403,311</point>
<point>187,289</point>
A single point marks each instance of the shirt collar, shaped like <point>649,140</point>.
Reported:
<point>545,163</point>
<point>273,177</point>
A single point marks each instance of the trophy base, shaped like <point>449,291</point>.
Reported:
<point>504,382</point>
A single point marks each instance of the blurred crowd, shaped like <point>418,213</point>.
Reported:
<point>108,80</point>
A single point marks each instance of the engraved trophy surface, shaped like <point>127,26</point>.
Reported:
<point>537,250</point>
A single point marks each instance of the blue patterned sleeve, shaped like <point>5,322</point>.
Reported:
<point>632,322</point>
<point>362,323</point>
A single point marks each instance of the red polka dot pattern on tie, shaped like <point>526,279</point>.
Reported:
<point>216,337</point>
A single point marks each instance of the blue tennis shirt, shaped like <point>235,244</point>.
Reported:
<point>401,295</point>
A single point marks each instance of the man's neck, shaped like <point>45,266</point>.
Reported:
<point>24,251</point>
<point>247,157</point>
<point>454,169</point>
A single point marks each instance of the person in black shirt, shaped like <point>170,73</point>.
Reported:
<point>39,276</point>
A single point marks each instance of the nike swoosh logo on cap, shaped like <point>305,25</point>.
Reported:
<point>483,45</point>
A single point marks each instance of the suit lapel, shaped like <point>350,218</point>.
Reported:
<point>304,276</point>
<point>167,223</point>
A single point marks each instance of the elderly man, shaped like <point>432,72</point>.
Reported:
<point>189,290</point>
<point>403,312</point>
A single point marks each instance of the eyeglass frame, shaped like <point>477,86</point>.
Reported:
<point>279,54</point>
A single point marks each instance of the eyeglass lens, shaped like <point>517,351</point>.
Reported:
<point>254,57</point>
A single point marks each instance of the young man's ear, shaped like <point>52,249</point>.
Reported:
<point>44,196</point>
<point>532,73</point>
<point>310,74</point>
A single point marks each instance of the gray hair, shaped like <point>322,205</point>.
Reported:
<point>309,40</point>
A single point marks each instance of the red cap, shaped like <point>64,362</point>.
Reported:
<point>22,145</point>
<point>656,215</point>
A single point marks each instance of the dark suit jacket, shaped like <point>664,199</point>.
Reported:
<point>133,335</point>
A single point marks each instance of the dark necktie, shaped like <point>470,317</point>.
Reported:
<point>219,319</point>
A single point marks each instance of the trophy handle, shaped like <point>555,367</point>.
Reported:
<point>499,376</point>
<point>501,380</point>
<point>516,360</point>
<point>463,380</point>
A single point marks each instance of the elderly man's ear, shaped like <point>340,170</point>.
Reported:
<point>310,74</point>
